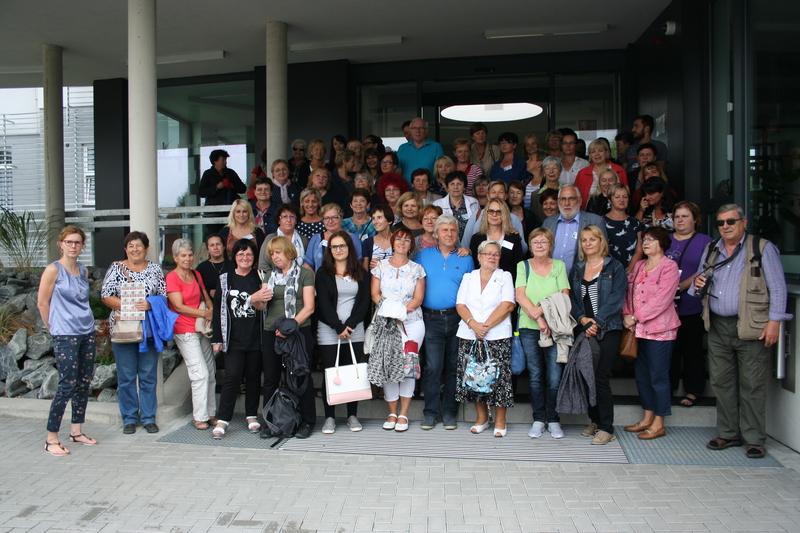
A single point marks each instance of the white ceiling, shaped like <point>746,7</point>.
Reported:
<point>94,32</point>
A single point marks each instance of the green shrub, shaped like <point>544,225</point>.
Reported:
<point>99,309</point>
<point>22,237</point>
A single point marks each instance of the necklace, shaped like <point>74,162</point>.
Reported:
<point>214,266</point>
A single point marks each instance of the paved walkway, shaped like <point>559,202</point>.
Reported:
<point>133,483</point>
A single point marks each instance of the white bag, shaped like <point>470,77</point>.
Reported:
<point>348,383</point>
<point>393,309</point>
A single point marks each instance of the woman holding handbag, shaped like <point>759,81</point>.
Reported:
<point>485,301</point>
<point>342,305</point>
<point>398,286</point>
<point>649,312</point>
<point>137,371</point>
<point>598,290</point>
<point>188,297</point>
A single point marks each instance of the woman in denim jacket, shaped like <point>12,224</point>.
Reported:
<point>649,311</point>
<point>598,286</point>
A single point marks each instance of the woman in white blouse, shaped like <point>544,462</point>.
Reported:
<point>485,301</point>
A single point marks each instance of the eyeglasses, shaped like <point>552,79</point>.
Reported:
<point>429,219</point>
<point>540,243</point>
<point>338,247</point>
<point>728,222</point>
<point>331,219</point>
<point>494,211</point>
<point>649,239</point>
<point>490,254</point>
<point>73,243</point>
<point>403,239</point>
<point>568,199</point>
<point>245,254</point>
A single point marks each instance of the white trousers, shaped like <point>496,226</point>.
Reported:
<point>415,330</point>
<point>196,351</point>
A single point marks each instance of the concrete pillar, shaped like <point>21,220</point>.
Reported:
<point>142,167</point>
<point>277,101</point>
<point>53,145</point>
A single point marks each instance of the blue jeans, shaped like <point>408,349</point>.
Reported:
<point>441,357</point>
<point>652,376</point>
<point>75,362</point>
<point>136,403</point>
<point>544,375</point>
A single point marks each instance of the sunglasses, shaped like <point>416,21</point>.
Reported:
<point>728,222</point>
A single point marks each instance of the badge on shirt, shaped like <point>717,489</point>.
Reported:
<point>575,235</point>
<point>507,245</point>
<point>323,242</point>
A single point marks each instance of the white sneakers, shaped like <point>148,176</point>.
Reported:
<point>329,427</point>
<point>537,430</point>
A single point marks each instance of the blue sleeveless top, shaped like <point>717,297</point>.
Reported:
<point>70,313</point>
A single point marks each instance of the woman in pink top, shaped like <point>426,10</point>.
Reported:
<point>649,311</point>
<point>185,292</point>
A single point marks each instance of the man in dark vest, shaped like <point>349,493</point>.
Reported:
<point>744,301</point>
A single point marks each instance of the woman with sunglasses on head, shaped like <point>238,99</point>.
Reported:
<point>63,302</point>
<point>686,249</point>
<point>241,225</point>
<point>310,222</point>
<point>496,226</point>
<point>655,207</point>
<point>649,312</point>
<point>623,230</point>
<point>343,302</point>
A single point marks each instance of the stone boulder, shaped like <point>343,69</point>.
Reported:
<point>31,300</point>
<point>18,344</point>
<point>32,394</point>
<point>107,395</point>
<point>104,376</point>
<point>39,344</point>
<point>49,385</point>
<point>33,364</point>
<point>21,275</point>
<point>34,378</point>
<point>16,304</point>
<point>8,363</point>
<point>98,273</point>
<point>14,384</point>
<point>169,361</point>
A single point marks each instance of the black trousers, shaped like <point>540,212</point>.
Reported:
<point>272,373</point>
<point>688,358</point>
<point>602,414</point>
<point>328,355</point>
<point>238,364</point>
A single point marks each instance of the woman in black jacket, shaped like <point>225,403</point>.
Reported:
<point>343,300</point>
<point>598,288</point>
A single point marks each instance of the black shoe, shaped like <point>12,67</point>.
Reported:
<point>303,432</point>
<point>129,429</point>
<point>265,433</point>
<point>151,427</point>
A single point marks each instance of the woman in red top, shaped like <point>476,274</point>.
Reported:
<point>186,291</point>
<point>588,179</point>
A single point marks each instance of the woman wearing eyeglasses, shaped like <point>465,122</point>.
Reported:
<point>332,219</point>
<point>649,312</point>
<point>496,227</point>
<point>287,227</point>
<point>484,303</point>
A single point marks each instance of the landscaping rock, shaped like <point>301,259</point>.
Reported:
<point>169,360</point>
<point>33,364</point>
<point>8,363</point>
<point>104,376</point>
<point>49,385</point>
<point>18,344</point>
<point>8,291</point>
<point>22,274</point>
<point>39,344</point>
<point>14,384</point>
<point>31,300</point>
<point>32,394</point>
<point>98,273</point>
<point>18,283</point>
<point>16,304</point>
<point>3,277</point>
<point>107,395</point>
<point>34,378</point>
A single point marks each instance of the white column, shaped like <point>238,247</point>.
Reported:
<point>53,145</point>
<point>277,102</point>
<point>142,169</point>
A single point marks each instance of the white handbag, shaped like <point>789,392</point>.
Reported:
<point>347,383</point>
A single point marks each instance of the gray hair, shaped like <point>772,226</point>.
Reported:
<point>482,246</point>
<point>297,142</point>
<point>731,207</point>
<point>552,160</point>
<point>181,245</point>
<point>444,220</point>
<point>570,186</point>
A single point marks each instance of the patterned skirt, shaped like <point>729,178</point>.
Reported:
<point>502,394</point>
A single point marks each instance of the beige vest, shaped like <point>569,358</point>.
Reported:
<point>753,294</point>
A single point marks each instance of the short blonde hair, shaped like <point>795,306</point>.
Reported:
<point>547,234</point>
<point>282,244</point>
<point>330,207</point>
<point>251,220</point>
<point>594,230</point>
<point>405,197</point>
<point>305,194</point>
<point>603,145</point>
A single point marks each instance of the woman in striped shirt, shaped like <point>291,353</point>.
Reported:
<point>598,287</point>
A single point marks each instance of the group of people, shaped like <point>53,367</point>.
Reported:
<point>414,252</point>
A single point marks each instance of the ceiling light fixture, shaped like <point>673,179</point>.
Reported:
<point>492,112</point>
<point>349,43</point>
<point>546,31</point>
<point>206,55</point>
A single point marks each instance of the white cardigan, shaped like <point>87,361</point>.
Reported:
<point>482,304</point>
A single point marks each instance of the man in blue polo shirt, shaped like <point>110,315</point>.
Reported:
<point>444,269</point>
<point>419,152</point>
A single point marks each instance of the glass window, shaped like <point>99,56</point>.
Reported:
<point>588,103</point>
<point>384,108</point>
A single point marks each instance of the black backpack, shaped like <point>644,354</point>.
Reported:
<point>281,413</point>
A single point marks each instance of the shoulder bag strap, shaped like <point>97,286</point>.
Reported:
<point>203,292</point>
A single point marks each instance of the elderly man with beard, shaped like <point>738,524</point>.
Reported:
<point>568,223</point>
